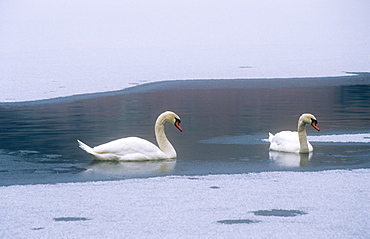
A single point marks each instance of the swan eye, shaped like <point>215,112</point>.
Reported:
<point>177,120</point>
<point>314,121</point>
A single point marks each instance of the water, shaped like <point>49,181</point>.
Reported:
<point>226,124</point>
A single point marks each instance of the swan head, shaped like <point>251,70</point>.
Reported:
<point>309,119</point>
<point>172,118</point>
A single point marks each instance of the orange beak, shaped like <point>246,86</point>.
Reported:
<point>315,126</point>
<point>177,124</point>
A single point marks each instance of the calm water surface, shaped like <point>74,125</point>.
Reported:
<point>224,131</point>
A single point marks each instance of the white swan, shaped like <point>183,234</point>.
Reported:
<point>134,148</point>
<point>288,141</point>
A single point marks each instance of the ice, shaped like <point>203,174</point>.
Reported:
<point>327,204</point>
<point>49,49</point>
<point>256,139</point>
<point>342,138</point>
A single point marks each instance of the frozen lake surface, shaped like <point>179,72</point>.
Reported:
<point>329,204</point>
<point>50,49</point>
<point>147,57</point>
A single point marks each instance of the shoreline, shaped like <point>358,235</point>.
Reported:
<point>353,78</point>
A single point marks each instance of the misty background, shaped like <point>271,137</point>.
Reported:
<point>59,48</point>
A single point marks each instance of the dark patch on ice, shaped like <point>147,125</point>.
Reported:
<point>193,178</point>
<point>279,213</point>
<point>38,228</point>
<point>214,187</point>
<point>357,73</point>
<point>70,219</point>
<point>240,221</point>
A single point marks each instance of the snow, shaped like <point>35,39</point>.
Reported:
<point>327,204</point>
<point>60,48</point>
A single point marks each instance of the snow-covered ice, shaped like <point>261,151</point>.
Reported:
<point>327,204</point>
<point>61,48</point>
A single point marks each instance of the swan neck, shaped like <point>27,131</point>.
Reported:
<point>163,143</point>
<point>302,137</point>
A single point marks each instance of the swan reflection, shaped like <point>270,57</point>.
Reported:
<point>290,159</point>
<point>141,168</point>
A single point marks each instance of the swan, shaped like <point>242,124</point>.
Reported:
<point>288,141</point>
<point>134,148</point>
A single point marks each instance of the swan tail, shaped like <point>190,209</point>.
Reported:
<point>271,136</point>
<point>85,147</point>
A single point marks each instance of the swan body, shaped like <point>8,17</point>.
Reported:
<point>294,141</point>
<point>287,141</point>
<point>134,148</point>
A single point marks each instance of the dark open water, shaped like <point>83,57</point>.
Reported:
<point>224,124</point>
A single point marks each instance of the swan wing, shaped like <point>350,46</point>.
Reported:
<point>285,141</point>
<point>131,148</point>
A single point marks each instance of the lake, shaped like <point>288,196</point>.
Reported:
<point>225,126</point>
